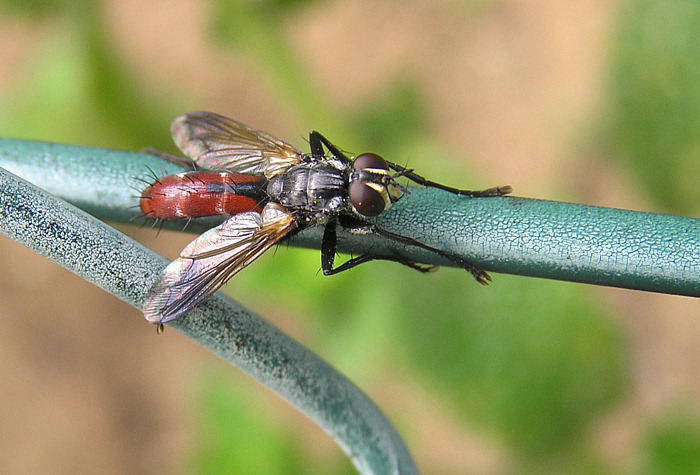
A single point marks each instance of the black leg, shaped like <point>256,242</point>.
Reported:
<point>408,173</point>
<point>328,248</point>
<point>317,141</point>
<point>356,261</point>
<point>357,226</point>
<point>316,144</point>
<point>183,162</point>
<point>481,276</point>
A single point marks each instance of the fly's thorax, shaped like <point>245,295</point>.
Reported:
<point>315,186</point>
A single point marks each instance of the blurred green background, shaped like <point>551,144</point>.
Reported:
<point>594,102</point>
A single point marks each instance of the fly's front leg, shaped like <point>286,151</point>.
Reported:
<point>317,141</point>
<point>357,226</point>
<point>408,173</point>
<point>329,246</point>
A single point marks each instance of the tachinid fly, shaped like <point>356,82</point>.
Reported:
<point>270,191</point>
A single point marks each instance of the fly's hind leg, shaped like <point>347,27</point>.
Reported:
<point>183,162</point>
<point>408,173</point>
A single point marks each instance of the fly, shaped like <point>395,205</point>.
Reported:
<point>270,191</point>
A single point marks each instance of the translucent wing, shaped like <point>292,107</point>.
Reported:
<point>211,259</point>
<point>216,142</point>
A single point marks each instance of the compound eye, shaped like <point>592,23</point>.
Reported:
<point>366,200</point>
<point>369,160</point>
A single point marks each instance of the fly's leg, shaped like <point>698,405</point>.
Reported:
<point>328,248</point>
<point>329,245</point>
<point>356,261</point>
<point>408,173</point>
<point>317,141</point>
<point>481,276</point>
<point>357,226</point>
<point>183,162</point>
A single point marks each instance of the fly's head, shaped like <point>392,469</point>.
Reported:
<point>372,186</point>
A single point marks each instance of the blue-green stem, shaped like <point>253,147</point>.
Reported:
<point>603,246</point>
<point>114,262</point>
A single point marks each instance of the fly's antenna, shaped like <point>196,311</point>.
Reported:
<point>403,172</point>
<point>402,189</point>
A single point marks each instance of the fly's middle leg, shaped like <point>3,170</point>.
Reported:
<point>328,250</point>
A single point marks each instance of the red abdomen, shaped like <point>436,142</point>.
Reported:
<point>200,194</point>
